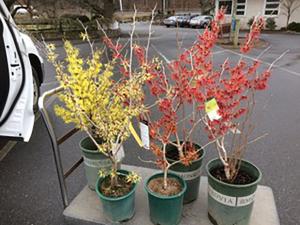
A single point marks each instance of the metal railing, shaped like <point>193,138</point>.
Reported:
<point>62,176</point>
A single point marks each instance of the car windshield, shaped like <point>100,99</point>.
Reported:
<point>199,18</point>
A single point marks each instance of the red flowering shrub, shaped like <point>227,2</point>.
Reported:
<point>189,82</point>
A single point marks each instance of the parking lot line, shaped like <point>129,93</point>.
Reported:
<point>263,62</point>
<point>6,149</point>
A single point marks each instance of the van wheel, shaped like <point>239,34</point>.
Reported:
<point>36,90</point>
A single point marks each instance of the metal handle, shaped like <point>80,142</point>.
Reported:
<point>55,148</point>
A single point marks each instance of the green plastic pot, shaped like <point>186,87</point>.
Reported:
<point>165,210</point>
<point>191,174</point>
<point>117,209</point>
<point>231,204</point>
<point>93,161</point>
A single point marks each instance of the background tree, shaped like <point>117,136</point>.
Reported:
<point>25,4</point>
<point>207,6</point>
<point>9,3</point>
<point>56,8</point>
<point>289,7</point>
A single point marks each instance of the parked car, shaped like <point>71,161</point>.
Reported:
<point>200,21</point>
<point>184,21</point>
<point>21,76</point>
<point>171,21</point>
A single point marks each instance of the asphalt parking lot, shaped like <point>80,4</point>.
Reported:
<point>29,191</point>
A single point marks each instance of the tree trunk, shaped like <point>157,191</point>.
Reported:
<point>114,179</point>
<point>234,8</point>
<point>165,178</point>
<point>288,19</point>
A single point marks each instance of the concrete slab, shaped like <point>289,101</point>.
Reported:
<point>86,207</point>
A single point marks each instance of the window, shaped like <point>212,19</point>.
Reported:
<point>272,7</point>
<point>227,4</point>
<point>240,7</point>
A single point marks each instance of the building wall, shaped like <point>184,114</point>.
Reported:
<point>257,8</point>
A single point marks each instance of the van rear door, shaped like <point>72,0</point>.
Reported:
<point>16,85</point>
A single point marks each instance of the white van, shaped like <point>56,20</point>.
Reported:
<point>21,72</point>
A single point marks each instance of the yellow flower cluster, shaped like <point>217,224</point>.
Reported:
<point>93,99</point>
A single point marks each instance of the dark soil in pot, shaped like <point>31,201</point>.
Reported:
<point>157,185</point>
<point>121,189</point>
<point>242,177</point>
<point>172,153</point>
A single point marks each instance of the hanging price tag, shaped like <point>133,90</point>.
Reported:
<point>145,134</point>
<point>135,135</point>
<point>211,108</point>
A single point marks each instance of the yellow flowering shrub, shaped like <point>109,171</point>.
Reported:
<point>93,99</point>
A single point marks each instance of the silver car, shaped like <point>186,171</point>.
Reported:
<point>171,21</point>
<point>200,21</point>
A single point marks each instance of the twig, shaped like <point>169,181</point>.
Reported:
<point>258,138</point>
<point>146,161</point>
<point>131,41</point>
<point>150,32</point>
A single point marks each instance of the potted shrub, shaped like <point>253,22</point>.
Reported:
<point>232,180</point>
<point>165,192</point>
<point>176,123</point>
<point>81,102</point>
<point>228,108</point>
<point>103,105</point>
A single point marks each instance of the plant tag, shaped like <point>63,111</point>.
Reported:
<point>145,134</point>
<point>135,135</point>
<point>211,108</point>
<point>120,153</point>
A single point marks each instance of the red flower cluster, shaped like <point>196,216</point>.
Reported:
<point>254,34</point>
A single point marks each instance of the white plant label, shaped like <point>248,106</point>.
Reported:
<point>120,153</point>
<point>230,200</point>
<point>223,199</point>
<point>247,200</point>
<point>189,175</point>
<point>145,135</point>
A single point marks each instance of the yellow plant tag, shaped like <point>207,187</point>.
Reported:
<point>211,108</point>
<point>135,135</point>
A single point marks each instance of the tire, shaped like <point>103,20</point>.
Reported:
<point>36,90</point>
<point>167,26</point>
